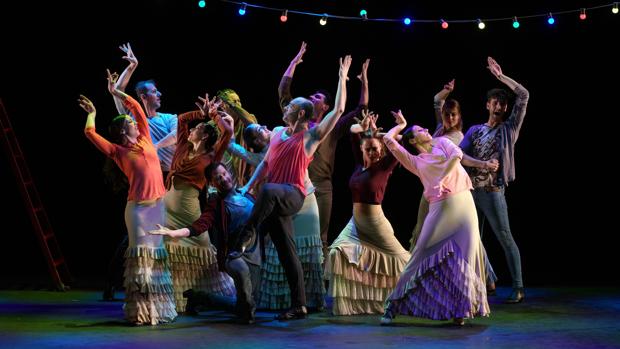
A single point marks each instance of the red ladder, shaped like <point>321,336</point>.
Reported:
<point>47,240</point>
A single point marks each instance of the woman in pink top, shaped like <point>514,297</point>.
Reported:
<point>444,278</point>
<point>449,125</point>
<point>148,286</point>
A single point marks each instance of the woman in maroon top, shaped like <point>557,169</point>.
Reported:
<point>193,259</point>
<point>366,259</point>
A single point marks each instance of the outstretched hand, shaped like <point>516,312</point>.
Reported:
<point>129,56</point>
<point>494,67</point>
<point>86,104</point>
<point>161,230</point>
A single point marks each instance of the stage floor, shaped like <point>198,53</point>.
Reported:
<point>549,318</point>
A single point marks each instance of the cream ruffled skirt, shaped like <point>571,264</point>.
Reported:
<point>364,263</point>
<point>193,260</point>
<point>274,292</point>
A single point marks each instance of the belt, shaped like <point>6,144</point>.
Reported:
<point>492,189</point>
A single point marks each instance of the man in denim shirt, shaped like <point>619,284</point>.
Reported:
<point>496,140</point>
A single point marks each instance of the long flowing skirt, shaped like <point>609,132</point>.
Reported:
<point>445,277</point>
<point>149,296</point>
<point>364,263</point>
<point>193,259</point>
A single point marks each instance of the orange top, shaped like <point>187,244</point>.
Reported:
<point>139,161</point>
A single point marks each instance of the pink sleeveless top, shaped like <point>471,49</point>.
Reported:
<point>287,161</point>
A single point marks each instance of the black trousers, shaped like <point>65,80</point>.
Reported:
<point>273,212</point>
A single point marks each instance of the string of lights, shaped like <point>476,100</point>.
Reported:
<point>444,23</point>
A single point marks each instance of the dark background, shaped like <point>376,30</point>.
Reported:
<point>560,205</point>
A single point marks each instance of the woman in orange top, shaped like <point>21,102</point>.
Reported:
<point>148,286</point>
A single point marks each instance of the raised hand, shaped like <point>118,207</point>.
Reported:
<point>86,104</point>
<point>345,64</point>
<point>494,67</point>
<point>112,77</point>
<point>399,118</point>
<point>449,86</point>
<point>299,57</point>
<point>208,107</point>
<point>129,56</point>
<point>363,76</point>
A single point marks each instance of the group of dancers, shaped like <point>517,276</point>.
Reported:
<point>260,241</point>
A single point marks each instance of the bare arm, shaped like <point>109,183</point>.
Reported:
<point>296,60</point>
<point>123,80</point>
<point>284,89</point>
<point>257,176</point>
<point>364,79</point>
<point>318,133</point>
<point>251,158</point>
<point>440,99</point>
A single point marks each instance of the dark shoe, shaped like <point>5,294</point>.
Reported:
<point>517,296</point>
<point>196,301</point>
<point>458,321</point>
<point>299,312</point>
<point>190,307</point>
<point>246,320</point>
<point>491,290</point>
<point>108,294</point>
<point>246,236</point>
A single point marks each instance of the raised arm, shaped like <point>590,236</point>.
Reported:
<point>123,80</point>
<point>225,124</point>
<point>440,99</point>
<point>391,142</point>
<point>496,70</point>
<point>89,129</point>
<point>239,114</point>
<point>320,131</point>
<point>518,110</point>
<point>130,104</point>
<point>284,89</point>
<point>347,120</point>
